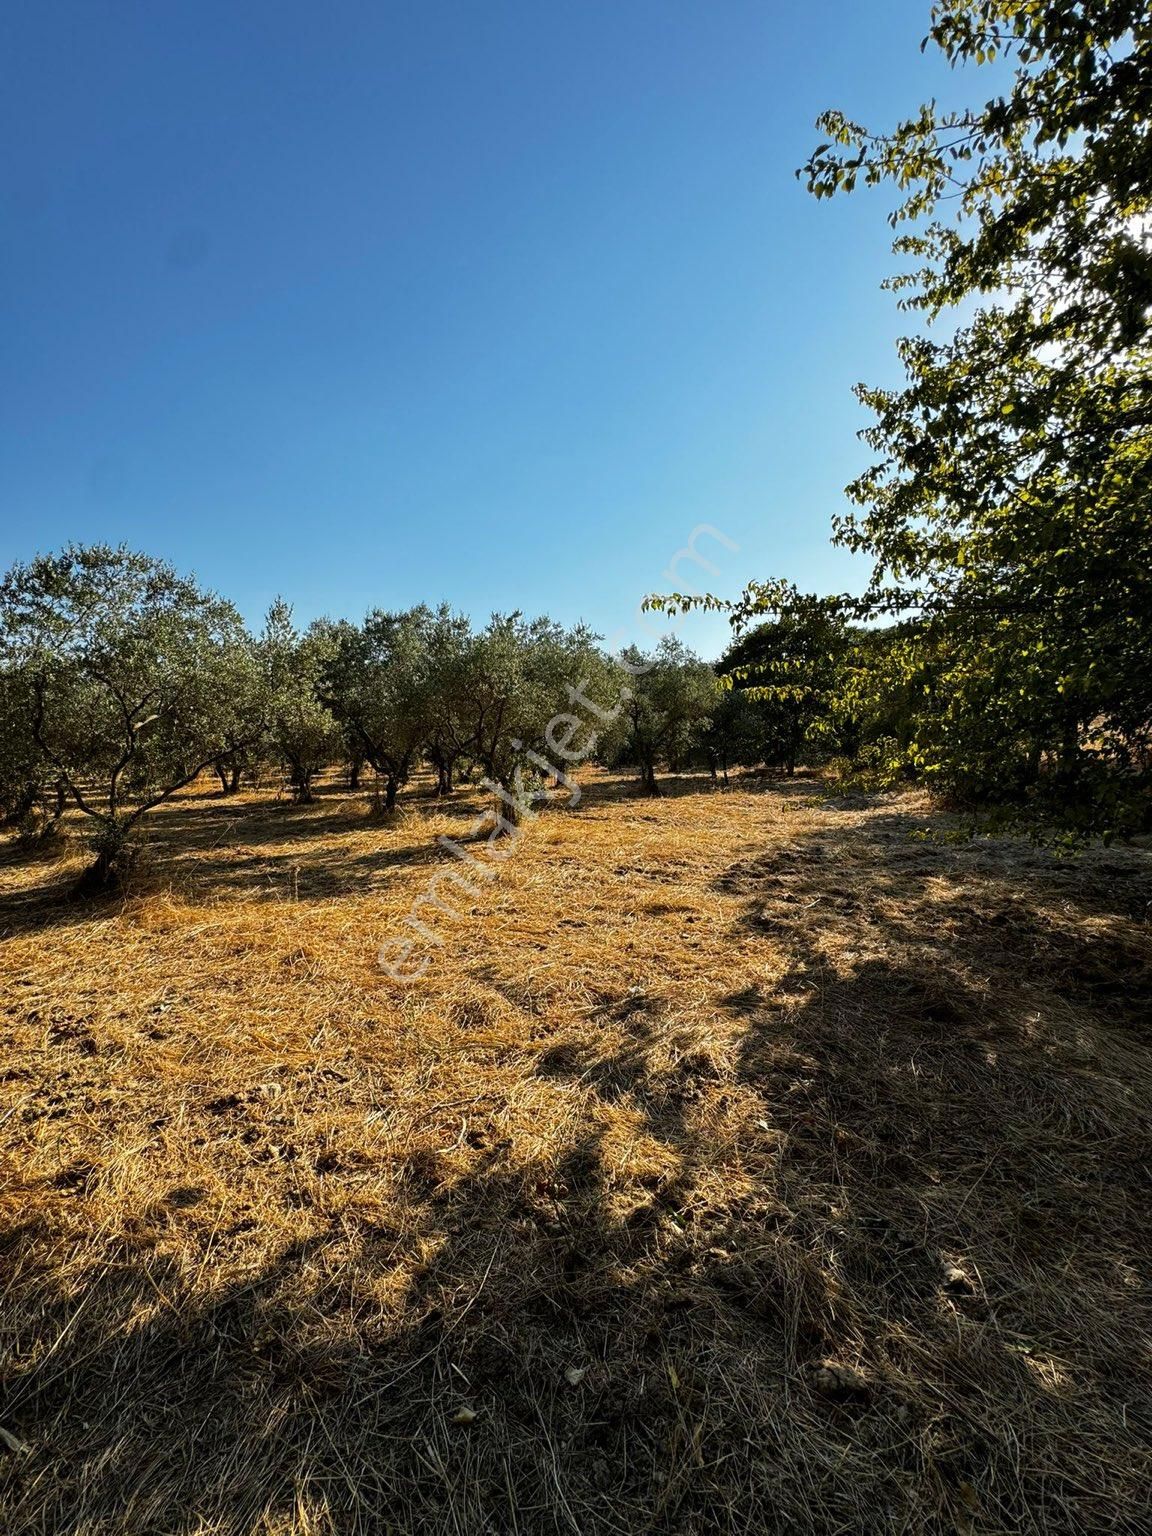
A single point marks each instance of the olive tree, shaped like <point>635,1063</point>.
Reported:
<point>300,729</point>
<point>245,739</point>
<point>448,731</point>
<point>520,677</point>
<point>377,683</point>
<point>672,697</point>
<point>124,668</point>
<point>32,795</point>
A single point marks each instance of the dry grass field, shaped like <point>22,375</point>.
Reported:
<point>744,1162</point>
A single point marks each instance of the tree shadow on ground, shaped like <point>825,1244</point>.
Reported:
<point>296,874</point>
<point>624,785</point>
<point>216,846</point>
<point>50,905</point>
<point>882,1272</point>
<point>219,846</point>
<point>610,789</point>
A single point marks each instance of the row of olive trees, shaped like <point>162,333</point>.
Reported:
<point>121,682</point>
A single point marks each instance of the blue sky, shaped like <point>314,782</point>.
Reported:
<point>370,303</point>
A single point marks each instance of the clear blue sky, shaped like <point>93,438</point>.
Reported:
<point>368,303</point>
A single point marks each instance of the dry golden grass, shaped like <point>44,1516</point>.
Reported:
<point>741,1163</point>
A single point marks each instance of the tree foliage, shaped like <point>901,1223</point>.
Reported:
<point>123,669</point>
<point>1006,509</point>
<point>518,674</point>
<point>300,728</point>
<point>1008,504</point>
<point>667,707</point>
<point>378,682</point>
<point>788,668</point>
<point>121,681</point>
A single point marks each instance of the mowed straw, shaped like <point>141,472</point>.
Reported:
<point>743,1160</point>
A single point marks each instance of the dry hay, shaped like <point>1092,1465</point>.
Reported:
<point>741,1163</point>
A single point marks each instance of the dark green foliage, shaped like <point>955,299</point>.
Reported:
<point>1007,510</point>
<point>378,681</point>
<point>788,672</point>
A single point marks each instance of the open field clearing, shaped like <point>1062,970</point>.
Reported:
<point>507,1026</point>
<point>742,1162</point>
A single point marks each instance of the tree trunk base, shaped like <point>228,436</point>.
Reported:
<point>107,875</point>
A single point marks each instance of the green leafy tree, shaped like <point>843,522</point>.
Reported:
<point>1040,195</point>
<point>299,728</point>
<point>246,733</point>
<point>671,698</point>
<point>519,675</point>
<point>734,733</point>
<point>884,686</point>
<point>124,668</point>
<point>790,667</point>
<point>378,684</point>
<point>32,795</point>
<point>450,723</point>
<point>1006,511</point>
<point>1009,502</point>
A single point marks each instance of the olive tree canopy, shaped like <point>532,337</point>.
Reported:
<point>126,669</point>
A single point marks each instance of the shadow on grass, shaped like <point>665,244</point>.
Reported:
<point>269,848</point>
<point>273,848</point>
<point>623,785</point>
<point>891,1281</point>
